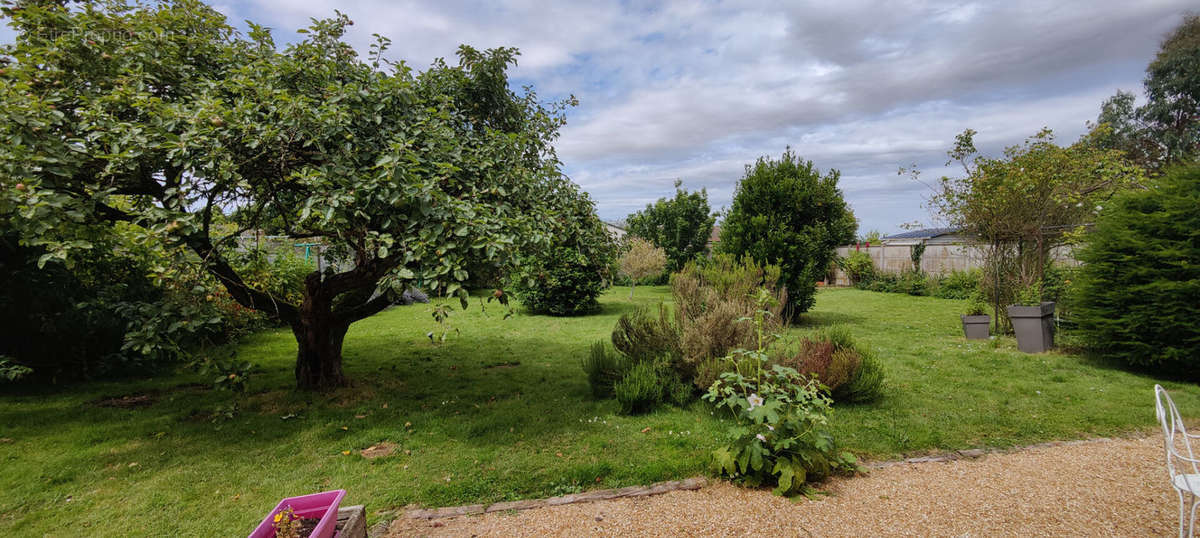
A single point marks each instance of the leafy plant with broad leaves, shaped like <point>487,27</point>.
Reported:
<point>780,417</point>
<point>228,375</point>
<point>10,371</point>
<point>858,266</point>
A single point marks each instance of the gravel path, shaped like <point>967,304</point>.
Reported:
<point>1104,488</point>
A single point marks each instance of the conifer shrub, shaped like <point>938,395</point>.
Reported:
<point>1136,295</point>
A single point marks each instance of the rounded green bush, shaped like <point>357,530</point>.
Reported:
<point>564,283</point>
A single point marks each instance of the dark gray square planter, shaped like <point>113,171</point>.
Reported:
<point>976,327</point>
<point>1034,326</point>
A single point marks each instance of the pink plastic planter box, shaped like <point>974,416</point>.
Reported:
<point>322,505</point>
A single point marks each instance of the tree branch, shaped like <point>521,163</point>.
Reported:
<point>363,310</point>
<point>238,289</point>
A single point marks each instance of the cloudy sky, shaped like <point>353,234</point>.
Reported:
<point>696,90</point>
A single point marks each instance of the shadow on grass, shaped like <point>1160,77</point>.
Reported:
<point>816,320</point>
<point>484,391</point>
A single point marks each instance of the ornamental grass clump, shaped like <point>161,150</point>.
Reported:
<point>780,418</point>
<point>845,370</point>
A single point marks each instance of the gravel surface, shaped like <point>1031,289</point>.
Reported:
<point>1104,488</point>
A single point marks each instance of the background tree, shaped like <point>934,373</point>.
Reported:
<point>1173,93</point>
<point>681,226</point>
<point>165,115</point>
<point>642,260</point>
<point>564,277</point>
<point>1136,292</point>
<point>786,213</point>
<point>1127,131</point>
<point>1039,196</point>
<point>1166,129</point>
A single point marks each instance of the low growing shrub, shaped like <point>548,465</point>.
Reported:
<point>563,282</point>
<point>847,371</point>
<point>604,368</point>
<point>957,285</point>
<point>641,335</point>
<point>1058,286</point>
<point>646,385</point>
<point>866,384</point>
<point>713,301</point>
<point>857,266</point>
<point>711,296</point>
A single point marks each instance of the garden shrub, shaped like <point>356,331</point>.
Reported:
<point>128,306</point>
<point>281,273</point>
<point>680,392</point>
<point>912,283</point>
<point>641,261</point>
<point>713,300</point>
<point>604,368</point>
<point>63,323</point>
<point>640,335</point>
<point>957,285</point>
<point>680,226</point>
<point>849,372</point>
<point>1057,286</point>
<point>10,371</point>
<point>785,212</point>
<point>857,266</point>
<point>866,384</point>
<point>711,296</point>
<point>1137,289</point>
<point>563,282</point>
<point>908,282</point>
<point>642,388</point>
<point>779,435</point>
<point>843,364</point>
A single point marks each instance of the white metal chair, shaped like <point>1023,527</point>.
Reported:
<point>1183,470</point>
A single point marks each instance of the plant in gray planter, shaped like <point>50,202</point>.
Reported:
<point>1033,320</point>
<point>976,321</point>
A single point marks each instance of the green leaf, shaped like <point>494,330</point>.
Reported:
<point>787,473</point>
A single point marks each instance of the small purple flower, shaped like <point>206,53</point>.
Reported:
<point>761,437</point>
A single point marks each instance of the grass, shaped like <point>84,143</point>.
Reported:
<point>501,411</point>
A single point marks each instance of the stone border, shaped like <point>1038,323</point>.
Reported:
<point>352,522</point>
<point>587,496</point>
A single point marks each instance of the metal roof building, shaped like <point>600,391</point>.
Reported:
<point>929,236</point>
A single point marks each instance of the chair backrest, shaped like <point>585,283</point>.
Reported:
<point>1175,434</point>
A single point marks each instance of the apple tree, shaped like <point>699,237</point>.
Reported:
<point>162,117</point>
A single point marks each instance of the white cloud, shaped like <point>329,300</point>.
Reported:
<point>697,90</point>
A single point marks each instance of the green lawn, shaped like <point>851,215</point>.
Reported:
<point>500,411</point>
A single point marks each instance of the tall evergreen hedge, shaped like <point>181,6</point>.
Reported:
<point>1139,290</point>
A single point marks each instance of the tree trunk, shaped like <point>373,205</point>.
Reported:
<point>631,285</point>
<point>319,347</point>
